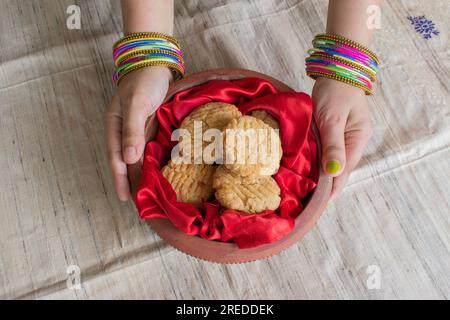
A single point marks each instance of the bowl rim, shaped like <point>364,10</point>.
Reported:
<point>223,252</point>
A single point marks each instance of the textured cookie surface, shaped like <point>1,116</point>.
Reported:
<point>266,118</point>
<point>191,182</point>
<point>252,147</point>
<point>250,194</point>
<point>214,115</point>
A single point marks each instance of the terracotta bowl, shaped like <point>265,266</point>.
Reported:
<point>222,252</point>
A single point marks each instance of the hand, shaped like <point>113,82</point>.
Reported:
<point>138,97</point>
<point>344,122</point>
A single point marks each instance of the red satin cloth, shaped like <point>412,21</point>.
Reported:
<point>297,176</point>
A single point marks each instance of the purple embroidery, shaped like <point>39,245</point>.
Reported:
<point>424,26</point>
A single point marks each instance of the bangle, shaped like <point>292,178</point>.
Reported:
<point>148,35</point>
<point>344,60</point>
<point>315,75</point>
<point>350,43</point>
<point>146,49</point>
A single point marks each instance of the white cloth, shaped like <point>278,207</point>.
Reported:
<point>57,202</point>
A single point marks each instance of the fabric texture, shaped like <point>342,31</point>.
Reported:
<point>58,207</point>
<point>296,178</point>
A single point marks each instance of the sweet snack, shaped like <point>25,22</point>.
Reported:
<point>245,184</point>
<point>253,153</point>
<point>215,220</point>
<point>213,115</point>
<point>266,118</point>
<point>191,182</point>
<point>251,147</point>
<point>249,194</point>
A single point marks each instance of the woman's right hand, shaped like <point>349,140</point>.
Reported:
<point>138,96</point>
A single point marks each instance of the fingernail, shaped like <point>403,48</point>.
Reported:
<point>130,153</point>
<point>333,167</point>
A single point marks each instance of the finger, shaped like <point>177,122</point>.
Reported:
<point>113,127</point>
<point>355,142</point>
<point>133,134</point>
<point>338,186</point>
<point>331,129</point>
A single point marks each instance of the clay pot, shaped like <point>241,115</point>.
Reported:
<point>222,252</point>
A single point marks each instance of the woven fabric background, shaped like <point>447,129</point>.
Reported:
<point>57,203</point>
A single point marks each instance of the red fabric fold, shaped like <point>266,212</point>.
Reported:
<point>297,176</point>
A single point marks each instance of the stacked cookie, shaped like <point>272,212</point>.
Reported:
<point>243,161</point>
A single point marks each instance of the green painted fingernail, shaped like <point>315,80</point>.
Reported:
<point>333,166</point>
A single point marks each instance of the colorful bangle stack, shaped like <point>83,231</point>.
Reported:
<point>342,59</point>
<point>145,49</point>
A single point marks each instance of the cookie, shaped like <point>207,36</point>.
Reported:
<point>266,118</point>
<point>214,115</point>
<point>251,147</point>
<point>191,182</point>
<point>249,194</point>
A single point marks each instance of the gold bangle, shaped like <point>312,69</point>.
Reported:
<point>350,43</point>
<point>317,74</point>
<point>143,35</point>
<point>369,71</point>
<point>170,65</point>
<point>147,51</point>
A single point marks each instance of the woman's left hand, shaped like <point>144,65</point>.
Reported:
<point>344,122</point>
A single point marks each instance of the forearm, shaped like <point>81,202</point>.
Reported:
<point>348,18</point>
<point>147,16</point>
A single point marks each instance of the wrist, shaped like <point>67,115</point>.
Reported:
<point>339,86</point>
<point>146,16</point>
<point>165,72</point>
